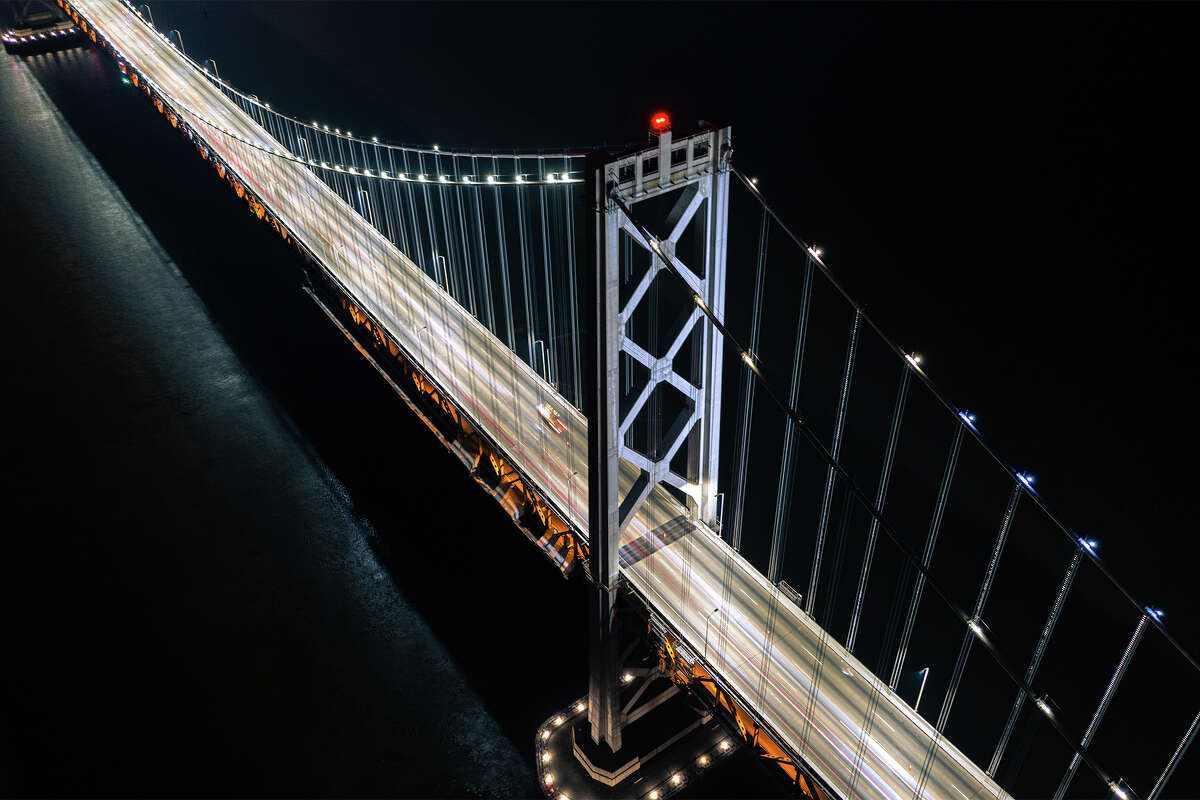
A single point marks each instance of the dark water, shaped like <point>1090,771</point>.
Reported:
<point>201,605</point>
<point>236,564</point>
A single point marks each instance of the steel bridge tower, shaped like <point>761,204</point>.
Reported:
<point>692,176</point>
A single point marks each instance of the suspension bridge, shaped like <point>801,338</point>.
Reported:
<point>562,323</point>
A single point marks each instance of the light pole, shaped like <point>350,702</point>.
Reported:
<point>707,620</point>
<point>421,346</point>
<point>921,691</point>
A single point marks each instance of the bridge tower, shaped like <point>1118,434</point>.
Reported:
<point>688,179</point>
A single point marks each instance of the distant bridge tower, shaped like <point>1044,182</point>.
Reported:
<point>679,192</point>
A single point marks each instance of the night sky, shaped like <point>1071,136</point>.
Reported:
<point>1008,189</point>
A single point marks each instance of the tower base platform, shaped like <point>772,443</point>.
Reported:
<point>672,744</point>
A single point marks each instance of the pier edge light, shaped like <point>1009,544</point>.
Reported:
<point>660,122</point>
<point>1025,478</point>
<point>1090,545</point>
<point>914,358</point>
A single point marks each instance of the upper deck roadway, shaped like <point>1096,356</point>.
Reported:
<point>684,578</point>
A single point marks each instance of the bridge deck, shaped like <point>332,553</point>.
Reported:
<point>683,573</point>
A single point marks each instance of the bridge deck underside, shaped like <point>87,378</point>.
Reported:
<point>759,645</point>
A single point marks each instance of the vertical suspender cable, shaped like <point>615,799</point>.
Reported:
<point>464,243</point>
<point>1105,699</point>
<point>1035,662</point>
<point>505,282</point>
<point>573,293</point>
<point>526,282</point>
<point>889,458</point>
<point>836,452</point>
<point>552,342</point>
<point>1184,744</point>
<point>450,260</point>
<point>488,300</point>
<point>783,496</point>
<point>441,270</point>
<point>746,397</point>
<point>927,555</point>
<point>985,588</point>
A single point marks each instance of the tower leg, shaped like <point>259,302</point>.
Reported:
<point>604,691</point>
<point>601,387</point>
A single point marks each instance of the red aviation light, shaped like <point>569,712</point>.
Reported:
<point>660,122</point>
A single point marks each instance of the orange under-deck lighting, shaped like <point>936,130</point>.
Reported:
<point>660,122</point>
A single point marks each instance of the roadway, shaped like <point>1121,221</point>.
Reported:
<point>683,576</point>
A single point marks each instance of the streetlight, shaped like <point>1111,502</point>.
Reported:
<point>921,691</point>
<point>707,620</point>
<point>421,346</point>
